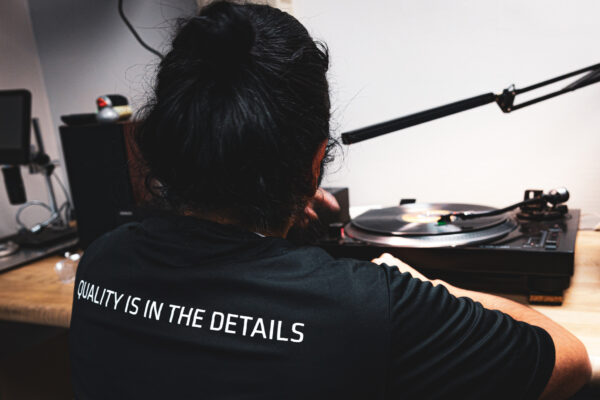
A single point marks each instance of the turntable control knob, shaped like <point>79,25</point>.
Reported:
<point>335,230</point>
<point>407,201</point>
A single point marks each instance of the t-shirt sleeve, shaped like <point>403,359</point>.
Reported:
<point>448,347</point>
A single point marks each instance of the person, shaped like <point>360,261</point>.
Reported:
<point>207,299</point>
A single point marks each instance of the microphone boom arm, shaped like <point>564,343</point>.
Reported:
<point>505,101</point>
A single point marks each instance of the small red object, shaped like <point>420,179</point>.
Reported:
<point>101,102</point>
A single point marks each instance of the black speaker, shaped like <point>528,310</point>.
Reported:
<point>96,158</point>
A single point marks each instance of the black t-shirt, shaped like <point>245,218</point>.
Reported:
<point>178,308</point>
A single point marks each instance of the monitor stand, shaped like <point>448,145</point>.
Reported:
<point>19,249</point>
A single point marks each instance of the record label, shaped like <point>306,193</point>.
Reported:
<point>425,217</point>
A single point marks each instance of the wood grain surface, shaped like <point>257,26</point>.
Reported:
<point>580,311</point>
<point>34,294</point>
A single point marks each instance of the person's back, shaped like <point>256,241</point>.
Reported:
<point>208,300</point>
<point>178,308</point>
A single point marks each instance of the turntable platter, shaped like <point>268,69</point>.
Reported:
<point>417,225</point>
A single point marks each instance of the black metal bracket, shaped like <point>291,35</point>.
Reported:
<point>506,99</point>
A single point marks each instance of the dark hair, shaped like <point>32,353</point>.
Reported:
<point>240,107</point>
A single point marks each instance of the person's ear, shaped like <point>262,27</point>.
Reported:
<point>317,160</point>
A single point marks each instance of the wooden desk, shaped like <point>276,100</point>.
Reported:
<point>580,311</point>
<point>34,294</point>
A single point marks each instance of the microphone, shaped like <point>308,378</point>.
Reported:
<point>13,181</point>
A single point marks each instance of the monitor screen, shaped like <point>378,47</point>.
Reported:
<point>15,123</point>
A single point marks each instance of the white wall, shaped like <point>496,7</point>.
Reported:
<point>87,51</point>
<point>390,58</point>
<point>67,53</point>
<point>20,68</point>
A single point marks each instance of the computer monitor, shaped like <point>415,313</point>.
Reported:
<point>15,125</point>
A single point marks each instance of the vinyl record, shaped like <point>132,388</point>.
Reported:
<point>422,219</point>
<point>418,225</point>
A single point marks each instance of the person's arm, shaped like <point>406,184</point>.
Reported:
<point>572,368</point>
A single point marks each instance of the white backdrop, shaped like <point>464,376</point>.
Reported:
<point>392,58</point>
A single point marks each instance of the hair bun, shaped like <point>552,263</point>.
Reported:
<point>220,35</point>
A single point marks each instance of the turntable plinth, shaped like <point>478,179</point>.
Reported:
<point>503,253</point>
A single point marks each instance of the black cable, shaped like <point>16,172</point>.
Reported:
<point>132,29</point>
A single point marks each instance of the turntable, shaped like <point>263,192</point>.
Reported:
<point>525,248</point>
<point>529,251</point>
